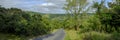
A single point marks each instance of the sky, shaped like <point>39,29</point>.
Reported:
<point>43,6</point>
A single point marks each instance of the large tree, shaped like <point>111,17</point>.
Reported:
<point>74,8</point>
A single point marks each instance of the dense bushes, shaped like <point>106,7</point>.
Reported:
<point>92,35</point>
<point>95,36</point>
<point>111,20</point>
<point>18,22</point>
<point>115,36</point>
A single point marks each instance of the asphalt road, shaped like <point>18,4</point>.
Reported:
<point>58,35</point>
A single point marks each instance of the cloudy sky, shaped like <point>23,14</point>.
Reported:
<point>44,6</point>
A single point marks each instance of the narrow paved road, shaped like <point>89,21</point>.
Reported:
<point>58,35</point>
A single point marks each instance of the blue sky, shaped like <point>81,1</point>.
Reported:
<point>106,2</point>
<point>44,6</point>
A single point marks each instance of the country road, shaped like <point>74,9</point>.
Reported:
<point>58,35</point>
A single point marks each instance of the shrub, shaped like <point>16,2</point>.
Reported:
<point>115,36</point>
<point>18,22</point>
<point>94,36</point>
<point>90,23</point>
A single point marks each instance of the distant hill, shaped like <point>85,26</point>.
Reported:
<point>50,14</point>
<point>53,15</point>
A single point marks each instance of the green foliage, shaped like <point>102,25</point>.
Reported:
<point>99,6</point>
<point>90,23</point>
<point>107,21</point>
<point>75,7</point>
<point>11,37</point>
<point>18,22</point>
<point>111,19</point>
<point>115,36</point>
<point>94,36</point>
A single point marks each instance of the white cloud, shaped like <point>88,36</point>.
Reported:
<point>53,6</point>
<point>35,5</point>
<point>48,4</point>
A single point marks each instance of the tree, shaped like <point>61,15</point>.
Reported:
<point>99,6</point>
<point>74,8</point>
<point>115,11</point>
<point>111,19</point>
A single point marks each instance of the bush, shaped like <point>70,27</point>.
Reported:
<point>95,36</point>
<point>110,22</point>
<point>90,23</point>
<point>115,36</point>
<point>18,22</point>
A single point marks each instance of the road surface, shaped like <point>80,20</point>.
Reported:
<point>58,35</point>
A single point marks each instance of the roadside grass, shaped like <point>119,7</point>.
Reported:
<point>11,37</point>
<point>72,35</point>
<point>92,35</point>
